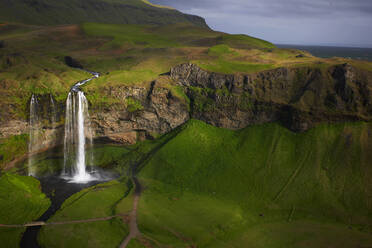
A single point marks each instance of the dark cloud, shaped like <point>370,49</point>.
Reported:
<point>294,21</point>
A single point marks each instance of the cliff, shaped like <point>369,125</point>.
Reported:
<point>298,98</point>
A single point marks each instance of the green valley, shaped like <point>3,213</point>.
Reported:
<point>124,123</point>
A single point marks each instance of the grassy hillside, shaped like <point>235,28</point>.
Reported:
<point>96,202</point>
<point>263,186</point>
<point>54,12</point>
<point>21,201</point>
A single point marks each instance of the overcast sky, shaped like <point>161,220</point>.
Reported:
<point>323,22</point>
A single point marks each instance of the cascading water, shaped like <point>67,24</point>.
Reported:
<point>33,143</point>
<point>53,117</point>
<point>77,132</point>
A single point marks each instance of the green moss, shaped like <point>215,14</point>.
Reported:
<point>133,104</point>
<point>219,50</point>
<point>245,102</point>
<point>225,66</point>
<point>179,92</point>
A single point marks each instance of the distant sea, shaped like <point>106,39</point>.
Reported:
<point>330,51</point>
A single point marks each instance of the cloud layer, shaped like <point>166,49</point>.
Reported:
<point>338,22</point>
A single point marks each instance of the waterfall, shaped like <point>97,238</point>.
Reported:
<point>33,143</point>
<point>78,136</point>
<point>53,117</point>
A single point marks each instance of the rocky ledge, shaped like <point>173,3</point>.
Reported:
<point>299,98</point>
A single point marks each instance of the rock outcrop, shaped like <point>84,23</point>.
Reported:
<point>299,98</point>
<point>156,111</point>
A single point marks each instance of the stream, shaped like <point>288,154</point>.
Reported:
<point>57,190</point>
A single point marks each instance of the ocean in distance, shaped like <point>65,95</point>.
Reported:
<point>332,51</point>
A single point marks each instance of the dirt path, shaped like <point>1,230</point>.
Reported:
<point>133,227</point>
<point>42,223</point>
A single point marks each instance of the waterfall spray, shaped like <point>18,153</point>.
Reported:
<point>33,143</point>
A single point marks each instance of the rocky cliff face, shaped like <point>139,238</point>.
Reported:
<point>299,98</point>
<point>141,113</point>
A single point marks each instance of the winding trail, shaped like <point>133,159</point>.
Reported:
<point>133,227</point>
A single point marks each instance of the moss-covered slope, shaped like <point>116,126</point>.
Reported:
<point>262,186</point>
<point>54,12</point>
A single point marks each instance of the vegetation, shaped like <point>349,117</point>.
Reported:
<point>21,201</point>
<point>51,161</point>
<point>133,105</point>
<point>125,54</point>
<point>96,202</point>
<point>54,12</point>
<point>263,186</point>
<point>12,148</point>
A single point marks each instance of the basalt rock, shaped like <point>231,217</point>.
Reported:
<point>158,112</point>
<point>299,98</point>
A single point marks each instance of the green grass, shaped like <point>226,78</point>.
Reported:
<point>214,187</point>
<point>54,12</point>
<point>262,186</point>
<point>124,34</point>
<point>230,67</point>
<point>168,36</point>
<point>155,5</point>
<point>21,201</point>
<point>98,201</point>
<point>12,148</point>
<point>245,41</point>
<point>219,50</point>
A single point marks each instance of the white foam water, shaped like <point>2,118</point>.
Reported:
<point>78,137</point>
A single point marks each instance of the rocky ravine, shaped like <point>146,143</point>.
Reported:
<point>299,98</point>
